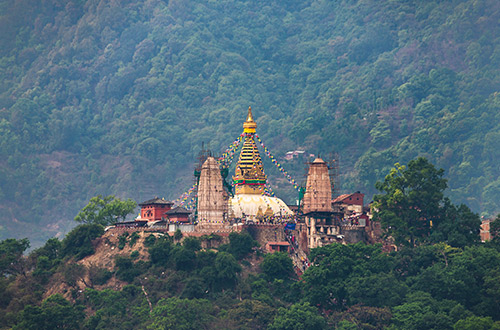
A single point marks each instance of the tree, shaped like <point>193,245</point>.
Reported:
<point>277,265</point>
<point>477,323</point>
<point>54,313</point>
<point>240,245</point>
<point>11,256</point>
<point>184,258</point>
<point>298,317</point>
<point>105,210</point>
<point>422,312</point>
<point>227,269</point>
<point>458,226</point>
<point>376,290</point>
<point>251,314</point>
<point>78,242</point>
<point>362,317</point>
<point>495,229</point>
<point>411,201</point>
<point>124,309</point>
<point>325,285</point>
<point>160,252</point>
<point>175,313</point>
<point>192,243</point>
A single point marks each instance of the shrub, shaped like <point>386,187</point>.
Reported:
<point>150,240</point>
<point>122,240</point>
<point>133,239</point>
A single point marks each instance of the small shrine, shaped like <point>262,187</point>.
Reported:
<point>154,209</point>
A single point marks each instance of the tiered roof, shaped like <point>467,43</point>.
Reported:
<point>249,176</point>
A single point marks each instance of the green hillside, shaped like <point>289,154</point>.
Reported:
<point>116,97</point>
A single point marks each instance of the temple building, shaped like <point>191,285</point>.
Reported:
<point>154,209</point>
<point>319,220</point>
<point>249,201</point>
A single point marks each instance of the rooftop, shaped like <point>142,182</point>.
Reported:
<point>156,201</point>
<point>178,210</point>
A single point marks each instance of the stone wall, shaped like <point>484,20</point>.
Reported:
<point>353,234</point>
<point>264,233</point>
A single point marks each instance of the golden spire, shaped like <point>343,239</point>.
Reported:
<point>249,176</point>
<point>249,126</point>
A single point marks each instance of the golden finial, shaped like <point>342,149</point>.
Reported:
<point>249,126</point>
<point>249,116</point>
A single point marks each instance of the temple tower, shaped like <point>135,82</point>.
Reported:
<point>318,196</point>
<point>212,198</point>
<point>318,212</point>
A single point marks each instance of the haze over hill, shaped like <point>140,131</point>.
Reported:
<point>115,97</point>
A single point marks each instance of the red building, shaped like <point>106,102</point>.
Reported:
<point>178,214</point>
<point>485,230</point>
<point>278,247</point>
<point>351,205</point>
<point>350,199</point>
<point>155,209</point>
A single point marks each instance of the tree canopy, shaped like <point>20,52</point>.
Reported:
<point>105,210</point>
<point>413,210</point>
<point>411,200</point>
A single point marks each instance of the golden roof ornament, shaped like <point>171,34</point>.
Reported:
<point>249,126</point>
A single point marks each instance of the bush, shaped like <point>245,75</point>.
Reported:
<point>134,254</point>
<point>149,241</point>
<point>178,235</point>
<point>126,269</point>
<point>133,239</point>
<point>100,276</point>
<point>122,241</point>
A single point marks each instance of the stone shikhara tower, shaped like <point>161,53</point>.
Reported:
<point>212,198</point>
<point>318,196</point>
<point>318,212</point>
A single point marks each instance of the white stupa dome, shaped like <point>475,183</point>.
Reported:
<point>249,204</point>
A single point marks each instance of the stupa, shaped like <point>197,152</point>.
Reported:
<point>249,201</point>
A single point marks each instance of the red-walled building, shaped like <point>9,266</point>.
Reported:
<point>350,199</point>
<point>349,204</point>
<point>485,230</point>
<point>178,214</point>
<point>155,209</point>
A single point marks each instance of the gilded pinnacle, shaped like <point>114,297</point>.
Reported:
<point>249,126</point>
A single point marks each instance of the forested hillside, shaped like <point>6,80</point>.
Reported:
<point>144,280</point>
<point>116,97</point>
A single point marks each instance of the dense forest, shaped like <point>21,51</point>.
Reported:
<point>116,97</point>
<point>152,281</point>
